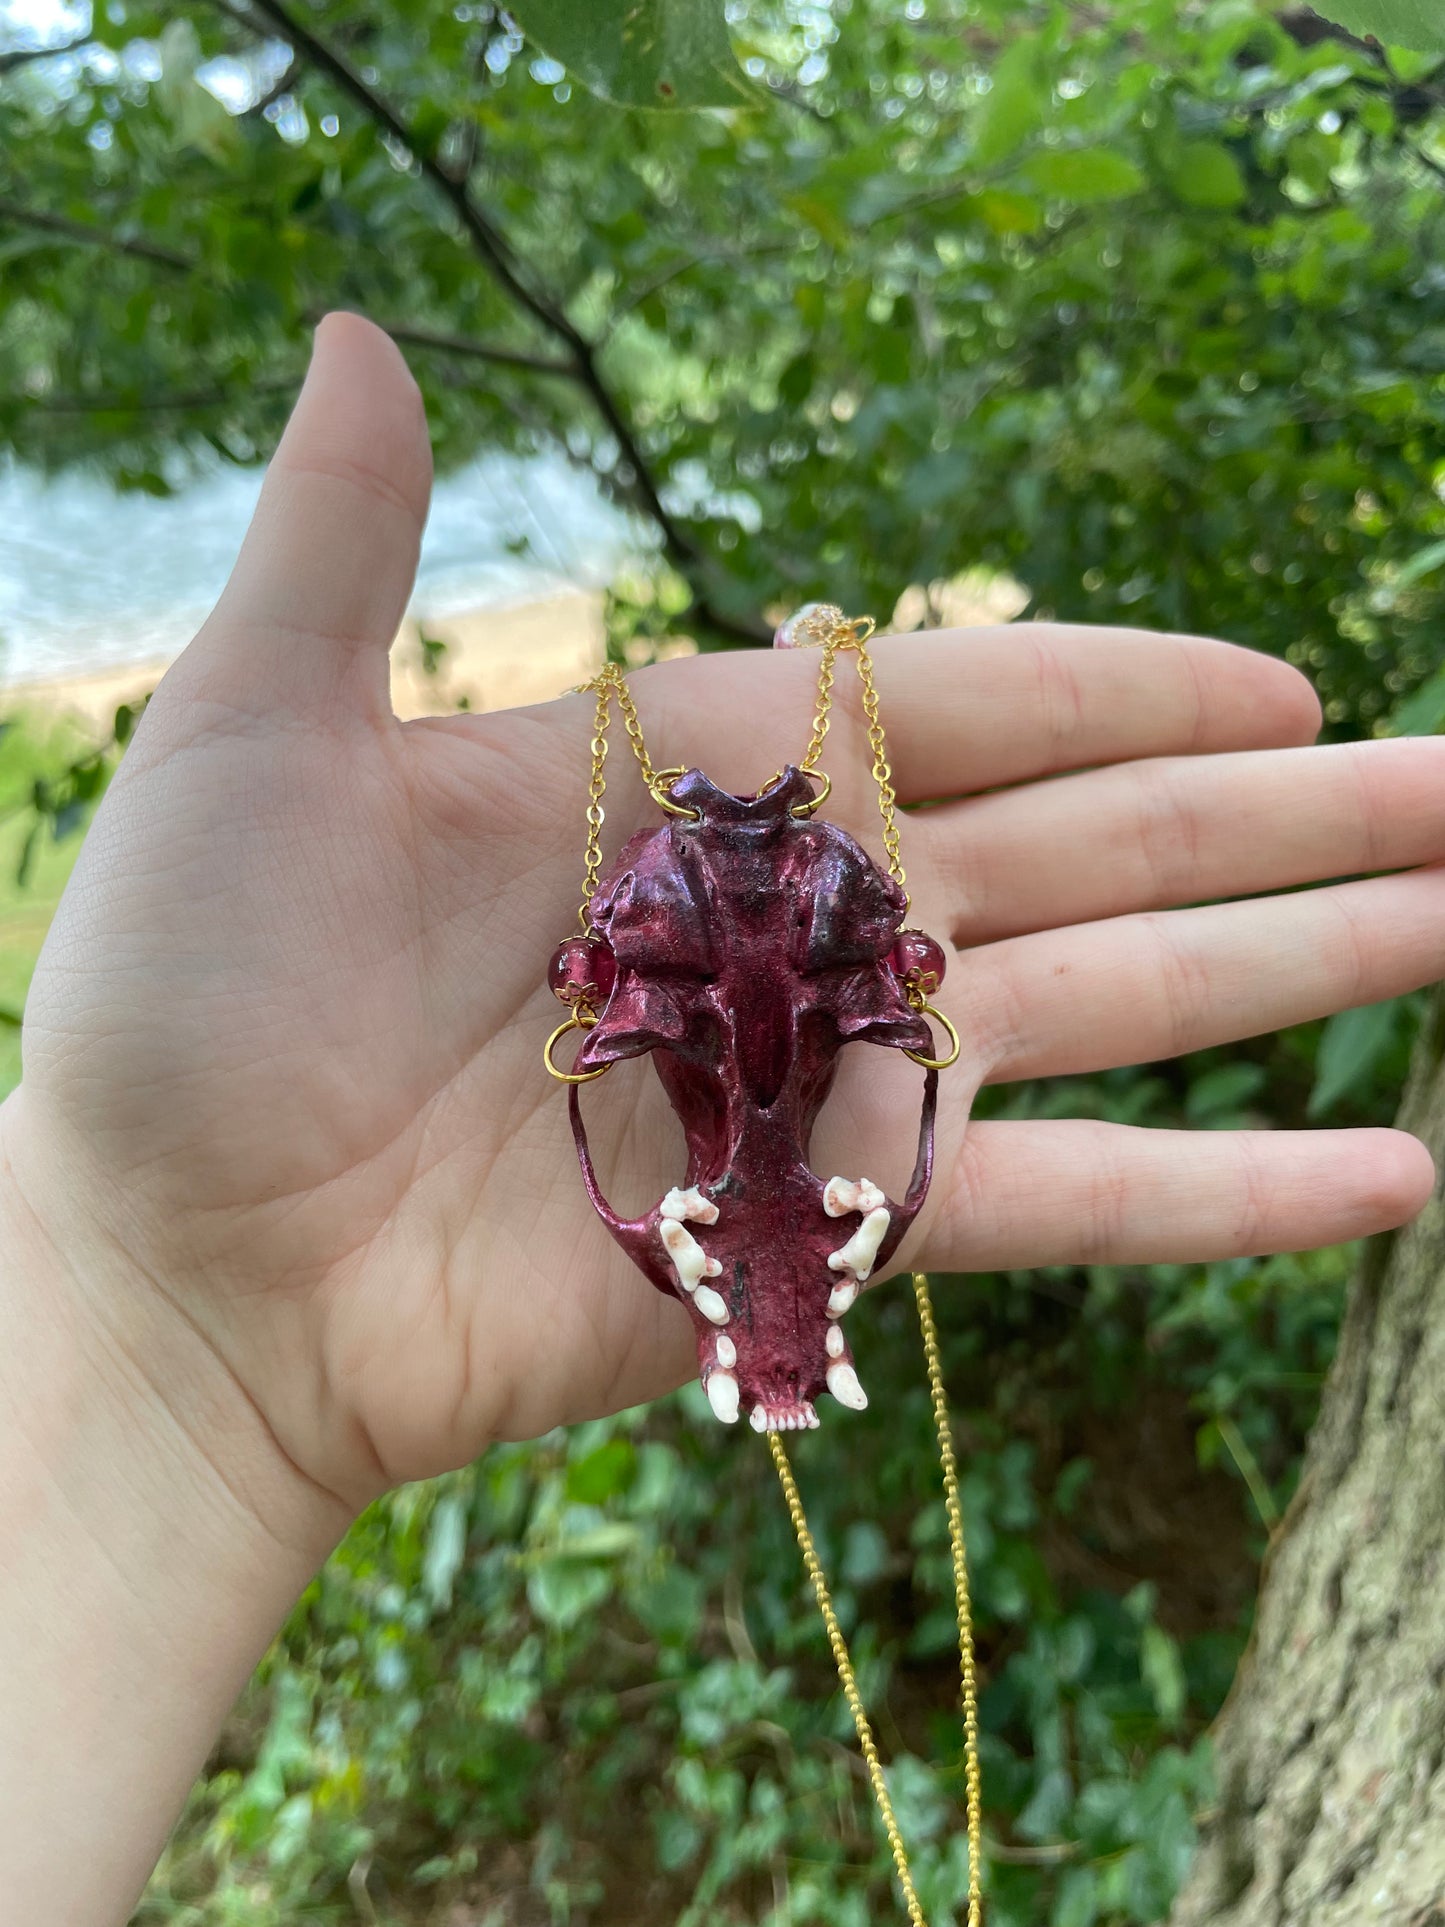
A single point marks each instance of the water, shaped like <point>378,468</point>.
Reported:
<point>94,580</point>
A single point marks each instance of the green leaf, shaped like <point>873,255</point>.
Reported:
<point>9,1019</point>
<point>446,1547</point>
<point>1163,1673</point>
<point>1399,23</point>
<point>1423,712</point>
<point>641,53</point>
<point>1423,563</point>
<point>1013,107</point>
<point>1206,174</point>
<point>1353,1043</point>
<point>1092,174</point>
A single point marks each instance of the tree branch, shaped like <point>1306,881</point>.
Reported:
<point>492,250</point>
<point>23,56</point>
<point>100,237</point>
<point>479,350</point>
<point>179,401</point>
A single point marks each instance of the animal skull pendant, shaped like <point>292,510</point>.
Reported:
<point>743,945</point>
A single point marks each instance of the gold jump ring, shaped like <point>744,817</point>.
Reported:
<point>935,1063</point>
<point>661,785</point>
<point>575,1022</point>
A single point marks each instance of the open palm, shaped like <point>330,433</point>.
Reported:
<point>284,1040</point>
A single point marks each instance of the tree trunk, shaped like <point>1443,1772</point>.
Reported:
<point>1331,1749</point>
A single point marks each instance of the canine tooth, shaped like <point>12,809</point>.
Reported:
<point>861,1249</point>
<point>833,1341</point>
<point>841,1297</point>
<point>722,1396</point>
<point>689,1204</point>
<point>711,1304</point>
<point>727,1351</point>
<point>689,1260</point>
<point>869,1196</point>
<point>759,1419</point>
<point>843,1384</point>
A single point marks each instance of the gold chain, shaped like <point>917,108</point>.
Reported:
<point>845,1674</point>
<point>968,1670</point>
<point>973,1776</point>
<point>608,683</point>
<point>836,632</point>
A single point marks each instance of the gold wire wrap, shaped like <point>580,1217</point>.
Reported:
<point>973,1776</point>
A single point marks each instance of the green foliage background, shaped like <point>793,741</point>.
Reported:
<point>1139,303</point>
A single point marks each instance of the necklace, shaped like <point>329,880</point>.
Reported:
<point>741,944</point>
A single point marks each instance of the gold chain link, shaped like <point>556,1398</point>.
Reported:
<point>845,1674</point>
<point>836,633</point>
<point>609,682</point>
<point>973,1776</point>
<point>968,1670</point>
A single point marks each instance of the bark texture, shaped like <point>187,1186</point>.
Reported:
<point>1331,1748</point>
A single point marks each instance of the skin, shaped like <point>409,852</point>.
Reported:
<point>289,1211</point>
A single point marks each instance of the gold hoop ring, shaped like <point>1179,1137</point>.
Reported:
<point>805,810</point>
<point>936,1063</point>
<point>575,1022</point>
<point>662,781</point>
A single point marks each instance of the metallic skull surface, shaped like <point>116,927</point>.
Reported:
<point>751,943</point>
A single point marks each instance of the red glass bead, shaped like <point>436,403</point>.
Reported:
<point>582,970</point>
<point>916,958</point>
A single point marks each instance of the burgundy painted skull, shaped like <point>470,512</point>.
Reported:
<point>751,943</point>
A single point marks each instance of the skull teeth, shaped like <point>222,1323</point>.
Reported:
<point>842,1195</point>
<point>727,1351</point>
<point>691,1203</point>
<point>861,1250</point>
<point>711,1304</point>
<point>722,1396</point>
<point>844,1385</point>
<point>841,1297</point>
<point>834,1341</point>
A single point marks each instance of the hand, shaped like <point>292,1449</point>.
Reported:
<point>282,1054</point>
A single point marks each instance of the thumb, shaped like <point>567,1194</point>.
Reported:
<point>323,576</point>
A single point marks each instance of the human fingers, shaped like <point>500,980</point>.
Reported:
<point>968,709</point>
<point>1131,990</point>
<point>1082,1192</point>
<point>322,580</point>
<point>1179,830</point>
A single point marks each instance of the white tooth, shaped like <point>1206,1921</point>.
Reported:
<point>689,1260</point>
<point>840,1196</point>
<point>689,1204</point>
<point>727,1351</point>
<point>869,1196</point>
<point>861,1249</point>
<point>812,1420</point>
<point>759,1419</point>
<point>722,1396</point>
<point>841,1297</point>
<point>712,1269</point>
<point>711,1304</point>
<point>833,1341</point>
<point>843,1384</point>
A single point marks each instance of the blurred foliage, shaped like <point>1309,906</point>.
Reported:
<point>1140,304</point>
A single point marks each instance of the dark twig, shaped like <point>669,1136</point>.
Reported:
<point>491,248</point>
<point>92,236</point>
<point>23,56</point>
<point>449,344</point>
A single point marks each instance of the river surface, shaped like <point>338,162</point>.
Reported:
<point>93,580</point>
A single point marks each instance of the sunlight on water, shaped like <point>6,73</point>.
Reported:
<point>90,579</point>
